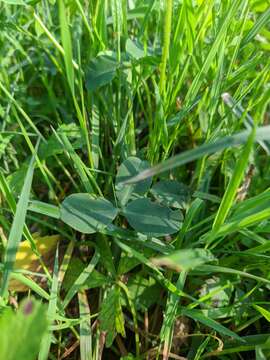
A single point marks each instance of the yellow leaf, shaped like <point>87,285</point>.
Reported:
<point>27,259</point>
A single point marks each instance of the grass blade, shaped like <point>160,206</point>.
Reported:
<point>51,312</point>
<point>259,24</point>
<point>239,112</point>
<point>81,279</point>
<point>198,316</point>
<point>238,174</point>
<point>85,327</point>
<point>194,88</point>
<point>263,133</point>
<point>29,283</point>
<point>225,270</point>
<point>67,45</point>
<point>167,330</point>
<point>17,228</point>
<point>166,45</point>
<point>44,209</point>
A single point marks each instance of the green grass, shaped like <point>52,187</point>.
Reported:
<point>159,110</point>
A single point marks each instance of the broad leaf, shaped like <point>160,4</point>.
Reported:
<point>87,214</point>
<point>137,52</point>
<point>135,49</point>
<point>171,193</point>
<point>101,71</point>
<point>151,218</point>
<point>129,168</point>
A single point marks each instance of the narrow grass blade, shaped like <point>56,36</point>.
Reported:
<point>17,228</point>
<point>51,312</point>
<point>53,39</point>
<point>85,327</point>
<point>84,19</point>
<point>81,279</point>
<point>265,313</point>
<point>134,315</point>
<point>67,45</point>
<point>263,133</point>
<point>167,330</point>
<point>95,136</point>
<point>20,109</point>
<point>225,270</point>
<point>7,193</point>
<point>164,281</point>
<point>236,179</point>
<point>240,113</point>
<point>195,86</point>
<point>86,177</point>
<point>259,24</point>
<point>30,284</point>
<point>65,262</point>
<point>199,316</point>
<point>166,44</point>
<point>44,209</point>
<point>237,225</point>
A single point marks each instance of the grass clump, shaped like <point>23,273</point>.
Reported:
<point>134,148</point>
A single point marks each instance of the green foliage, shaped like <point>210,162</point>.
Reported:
<point>131,167</point>
<point>184,260</point>
<point>21,332</point>
<point>151,218</point>
<point>86,213</point>
<point>152,169</point>
<point>101,71</point>
<point>198,316</point>
<point>111,316</point>
<point>16,229</point>
<point>171,193</point>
